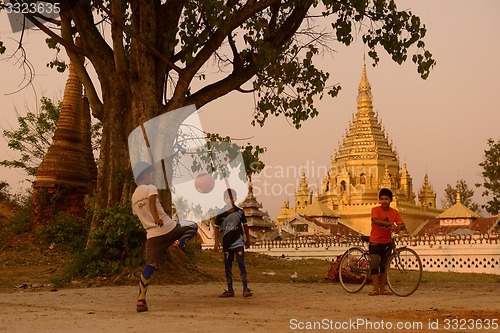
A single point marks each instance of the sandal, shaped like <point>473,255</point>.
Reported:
<point>227,294</point>
<point>373,293</point>
<point>385,292</point>
<point>247,293</point>
<point>142,306</point>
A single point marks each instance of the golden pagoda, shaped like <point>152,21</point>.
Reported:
<point>426,195</point>
<point>303,196</point>
<point>364,162</point>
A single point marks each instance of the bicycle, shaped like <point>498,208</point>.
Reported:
<point>403,269</point>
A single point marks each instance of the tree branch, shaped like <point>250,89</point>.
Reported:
<point>148,45</point>
<point>117,26</point>
<point>95,102</point>
<point>238,18</point>
<point>67,45</point>
<point>96,48</point>
<point>222,87</point>
<point>241,75</point>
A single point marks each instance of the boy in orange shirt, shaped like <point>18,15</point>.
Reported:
<point>384,220</point>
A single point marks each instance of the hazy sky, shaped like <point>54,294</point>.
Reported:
<point>439,125</point>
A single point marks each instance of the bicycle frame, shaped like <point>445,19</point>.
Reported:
<point>405,271</point>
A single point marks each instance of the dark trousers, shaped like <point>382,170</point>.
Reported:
<point>229,256</point>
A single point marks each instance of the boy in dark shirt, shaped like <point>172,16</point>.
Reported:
<point>230,223</point>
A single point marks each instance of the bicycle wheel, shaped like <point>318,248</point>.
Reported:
<point>354,269</point>
<point>404,272</point>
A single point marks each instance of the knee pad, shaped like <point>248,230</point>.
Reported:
<point>148,271</point>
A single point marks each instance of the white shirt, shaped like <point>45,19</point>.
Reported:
<point>140,207</point>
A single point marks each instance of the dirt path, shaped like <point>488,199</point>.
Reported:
<point>274,308</point>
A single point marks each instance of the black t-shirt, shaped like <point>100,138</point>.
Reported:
<point>230,224</point>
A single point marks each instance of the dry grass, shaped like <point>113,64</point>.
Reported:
<point>310,271</point>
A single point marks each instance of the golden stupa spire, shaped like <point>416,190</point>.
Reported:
<point>405,170</point>
<point>459,199</point>
<point>365,137</point>
<point>426,195</point>
<point>304,185</point>
<point>364,88</point>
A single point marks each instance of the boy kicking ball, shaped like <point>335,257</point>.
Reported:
<point>162,230</point>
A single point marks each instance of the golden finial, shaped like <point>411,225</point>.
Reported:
<point>459,200</point>
<point>364,85</point>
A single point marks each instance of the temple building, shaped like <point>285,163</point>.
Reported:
<point>459,220</point>
<point>364,162</point>
<point>257,220</point>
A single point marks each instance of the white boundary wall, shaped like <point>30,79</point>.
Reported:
<point>460,253</point>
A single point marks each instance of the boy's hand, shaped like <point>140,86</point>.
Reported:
<point>159,222</point>
<point>247,243</point>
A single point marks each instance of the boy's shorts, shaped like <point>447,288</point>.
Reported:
<point>382,249</point>
<point>156,247</point>
<point>379,253</point>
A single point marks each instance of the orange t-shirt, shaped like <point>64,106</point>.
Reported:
<point>380,234</point>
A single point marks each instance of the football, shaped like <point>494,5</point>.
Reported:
<point>204,183</point>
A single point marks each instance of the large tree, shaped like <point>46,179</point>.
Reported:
<point>491,177</point>
<point>466,194</point>
<point>148,55</point>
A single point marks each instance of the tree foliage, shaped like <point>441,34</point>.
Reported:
<point>491,177</point>
<point>152,57</point>
<point>34,135</point>
<point>466,194</point>
<point>269,42</point>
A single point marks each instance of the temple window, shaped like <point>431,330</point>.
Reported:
<point>362,178</point>
<point>301,228</point>
<point>342,186</point>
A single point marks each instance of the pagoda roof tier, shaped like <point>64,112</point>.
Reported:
<point>365,139</point>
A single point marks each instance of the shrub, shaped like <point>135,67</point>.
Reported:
<point>65,231</point>
<point>21,222</point>
<point>115,245</point>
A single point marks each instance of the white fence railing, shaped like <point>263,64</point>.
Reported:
<point>458,253</point>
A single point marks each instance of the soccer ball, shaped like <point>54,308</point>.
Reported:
<point>204,183</point>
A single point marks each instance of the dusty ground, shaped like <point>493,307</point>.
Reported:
<point>29,303</point>
<point>282,307</point>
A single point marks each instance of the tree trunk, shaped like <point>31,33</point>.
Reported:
<point>114,166</point>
